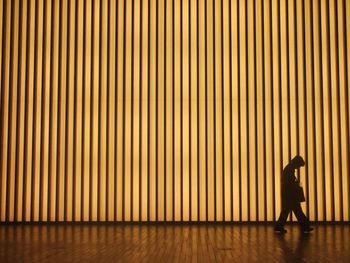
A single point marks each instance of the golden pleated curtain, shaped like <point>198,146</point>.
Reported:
<point>172,110</point>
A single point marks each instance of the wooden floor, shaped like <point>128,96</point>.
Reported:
<point>171,243</point>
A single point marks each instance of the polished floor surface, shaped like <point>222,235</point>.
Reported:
<point>171,243</point>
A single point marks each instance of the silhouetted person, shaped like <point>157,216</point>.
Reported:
<point>292,195</point>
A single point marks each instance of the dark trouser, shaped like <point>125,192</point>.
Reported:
<point>296,208</point>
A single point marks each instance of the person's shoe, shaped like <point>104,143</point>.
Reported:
<point>280,230</point>
<point>306,229</point>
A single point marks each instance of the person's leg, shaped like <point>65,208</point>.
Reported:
<point>302,219</point>
<point>283,217</point>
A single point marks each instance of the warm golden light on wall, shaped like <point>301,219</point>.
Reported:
<point>174,110</point>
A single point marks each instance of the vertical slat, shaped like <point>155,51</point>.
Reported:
<point>56,113</point>
<point>189,201</point>
<point>152,142</point>
<point>177,91</point>
<point>198,113</point>
<point>100,189</point>
<point>143,108</point>
<point>223,173</point>
<point>52,130</point>
<point>299,78</point>
<point>206,108</point>
<point>311,111</point>
<point>169,108</point>
<point>333,18</point>
<point>132,115</point>
<point>263,182</point>
<point>306,186</point>
<point>100,175</point>
<point>243,113</point>
<point>26,182</point>
<point>186,110</point>
<point>69,113</point>
<point>58,144</point>
<point>215,148</point>
<point>231,194</point>
<point>46,115</point>
<point>340,145</point>
<point>32,76</point>
<point>288,82</point>
<point>346,184</point>
<point>165,101</point>
<point>35,189</point>
<point>218,113</point>
<point>323,121</point>
<point>295,130</point>
<point>148,107</point>
<point>62,100</point>
<point>3,125</point>
<point>103,104</point>
<point>11,148</point>
<point>181,114</point>
<point>19,135</point>
<point>127,111</point>
<point>24,111</point>
<point>273,201</point>
<point>250,109</point>
<point>202,87</point>
<point>316,108</point>
<point>75,130</point>
<point>156,100</point>
<point>143,111</point>
<point>276,107</point>
<point>85,146</point>
<point>160,134</point>
<point>189,121</point>
<point>292,143</point>
<point>116,102</point>
<point>268,77</point>
<point>136,111</point>
<point>83,86</point>
<point>95,201</point>
<point>330,196</point>
<point>239,144</point>
<point>284,108</point>
<point>107,85</point>
<point>256,149</point>
<point>260,137</point>
<point>140,113</point>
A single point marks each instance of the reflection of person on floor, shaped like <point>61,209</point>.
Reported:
<point>292,195</point>
<point>292,253</point>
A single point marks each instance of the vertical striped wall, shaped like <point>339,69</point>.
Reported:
<point>172,110</point>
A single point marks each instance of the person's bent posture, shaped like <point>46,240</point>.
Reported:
<point>292,195</point>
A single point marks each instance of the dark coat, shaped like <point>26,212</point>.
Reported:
<point>289,188</point>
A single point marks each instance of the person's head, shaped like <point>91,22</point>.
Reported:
<point>297,162</point>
